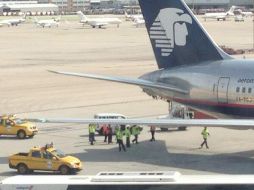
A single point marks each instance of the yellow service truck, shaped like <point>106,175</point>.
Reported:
<point>10,125</point>
<point>46,159</point>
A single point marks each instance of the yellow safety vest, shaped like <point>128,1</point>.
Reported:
<point>91,128</point>
<point>119,135</point>
<point>127,133</point>
<point>205,133</point>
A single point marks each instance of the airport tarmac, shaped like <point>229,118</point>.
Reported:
<point>29,90</point>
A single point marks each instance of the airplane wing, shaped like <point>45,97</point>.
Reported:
<point>138,82</point>
<point>165,123</point>
<point>5,22</point>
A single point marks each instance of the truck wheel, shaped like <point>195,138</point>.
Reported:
<point>22,169</point>
<point>21,134</point>
<point>64,170</point>
<point>164,129</point>
<point>182,128</point>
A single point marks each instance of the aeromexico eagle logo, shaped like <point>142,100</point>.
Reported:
<point>169,29</point>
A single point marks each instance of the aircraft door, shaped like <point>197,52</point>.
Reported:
<point>222,92</point>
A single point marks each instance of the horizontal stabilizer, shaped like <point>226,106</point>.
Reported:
<point>165,123</point>
<point>138,82</point>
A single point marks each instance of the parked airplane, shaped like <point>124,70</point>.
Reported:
<point>54,22</point>
<point>245,13</point>
<point>13,21</point>
<point>193,71</point>
<point>139,22</point>
<point>98,22</point>
<point>133,17</point>
<point>220,16</point>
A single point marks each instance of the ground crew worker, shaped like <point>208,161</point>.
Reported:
<point>135,132</point>
<point>116,131</point>
<point>110,134</point>
<point>119,137</point>
<point>105,132</point>
<point>128,135</point>
<point>91,129</point>
<point>205,133</point>
<point>152,130</point>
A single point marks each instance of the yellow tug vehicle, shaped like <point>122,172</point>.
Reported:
<point>45,158</point>
<point>11,125</point>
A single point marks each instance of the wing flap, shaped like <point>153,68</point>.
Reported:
<point>138,82</point>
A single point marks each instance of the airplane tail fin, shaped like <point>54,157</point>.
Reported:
<point>127,16</point>
<point>24,16</point>
<point>231,11</point>
<point>176,35</point>
<point>82,16</point>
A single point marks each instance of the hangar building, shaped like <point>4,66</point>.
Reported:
<point>27,6</point>
<point>75,5</point>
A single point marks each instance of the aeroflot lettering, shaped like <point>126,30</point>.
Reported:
<point>245,81</point>
<point>169,29</point>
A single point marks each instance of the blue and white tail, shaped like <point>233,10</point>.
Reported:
<point>176,35</point>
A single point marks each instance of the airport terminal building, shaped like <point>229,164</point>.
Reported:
<point>219,3</point>
<point>76,5</point>
<point>30,7</point>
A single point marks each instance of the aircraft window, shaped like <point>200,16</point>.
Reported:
<point>243,90</point>
<point>237,89</point>
<point>249,90</point>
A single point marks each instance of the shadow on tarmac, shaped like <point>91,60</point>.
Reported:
<point>12,137</point>
<point>4,160</point>
<point>14,173</point>
<point>156,153</point>
<point>8,174</point>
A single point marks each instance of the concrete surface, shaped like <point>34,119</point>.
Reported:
<point>29,90</point>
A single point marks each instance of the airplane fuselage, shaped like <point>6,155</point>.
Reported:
<point>47,23</point>
<point>222,88</point>
<point>101,21</point>
<point>12,22</point>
